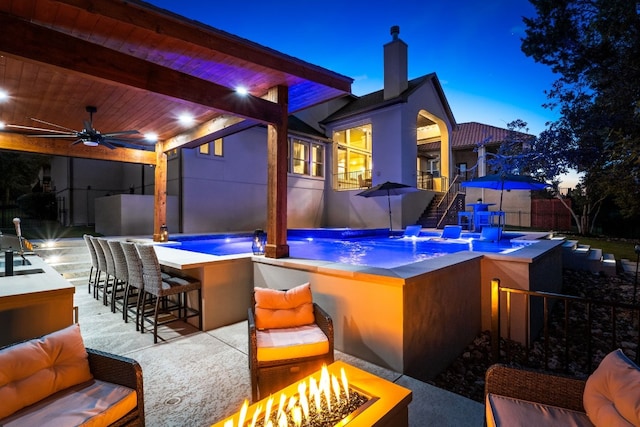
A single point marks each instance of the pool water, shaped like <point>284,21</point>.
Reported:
<point>371,248</point>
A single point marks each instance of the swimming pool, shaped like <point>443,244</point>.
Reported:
<point>356,247</point>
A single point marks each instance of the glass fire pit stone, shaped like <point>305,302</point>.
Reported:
<point>373,401</point>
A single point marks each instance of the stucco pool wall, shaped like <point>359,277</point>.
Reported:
<point>413,319</point>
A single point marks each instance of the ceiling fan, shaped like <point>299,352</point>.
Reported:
<point>88,135</point>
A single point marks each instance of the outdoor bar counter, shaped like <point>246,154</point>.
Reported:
<point>34,304</point>
<point>227,283</point>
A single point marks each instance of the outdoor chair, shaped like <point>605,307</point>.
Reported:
<point>101,282</point>
<point>135,283</point>
<point>112,283</point>
<point>490,234</point>
<point>159,290</point>
<point>121,274</point>
<point>451,232</point>
<point>412,231</point>
<point>93,272</point>
<point>290,337</point>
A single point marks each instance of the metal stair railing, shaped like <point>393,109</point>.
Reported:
<point>447,203</point>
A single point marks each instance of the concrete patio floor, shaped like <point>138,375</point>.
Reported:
<point>197,378</point>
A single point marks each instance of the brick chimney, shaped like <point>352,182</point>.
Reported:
<point>396,78</point>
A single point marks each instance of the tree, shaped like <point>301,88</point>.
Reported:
<point>594,47</point>
<point>19,172</point>
<point>547,157</point>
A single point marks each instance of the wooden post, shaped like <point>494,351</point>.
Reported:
<point>277,147</point>
<point>495,319</point>
<point>160,191</point>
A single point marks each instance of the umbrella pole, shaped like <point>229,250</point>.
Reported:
<point>389,203</point>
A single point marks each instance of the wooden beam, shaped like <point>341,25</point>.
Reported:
<point>277,148</point>
<point>49,47</point>
<point>160,192</point>
<point>219,127</point>
<point>57,147</point>
<point>162,22</point>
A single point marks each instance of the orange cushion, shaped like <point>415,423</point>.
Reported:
<point>612,392</point>
<point>284,309</point>
<point>92,404</point>
<point>35,369</point>
<point>291,343</point>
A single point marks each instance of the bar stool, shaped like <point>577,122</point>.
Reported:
<point>158,289</point>
<point>135,283</point>
<point>93,273</point>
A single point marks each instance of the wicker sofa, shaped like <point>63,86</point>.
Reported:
<point>56,377</point>
<point>610,396</point>
<point>533,386</point>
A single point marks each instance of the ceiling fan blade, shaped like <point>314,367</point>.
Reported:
<point>52,124</point>
<point>39,129</point>
<point>68,135</point>
<point>122,132</point>
<point>106,144</point>
<point>77,141</point>
<point>130,143</point>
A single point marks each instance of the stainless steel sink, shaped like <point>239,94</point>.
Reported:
<point>17,262</point>
<point>22,272</point>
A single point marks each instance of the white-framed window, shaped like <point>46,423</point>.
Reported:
<point>306,158</point>
<point>212,148</point>
<point>352,164</point>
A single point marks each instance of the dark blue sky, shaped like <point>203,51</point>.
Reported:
<point>473,46</point>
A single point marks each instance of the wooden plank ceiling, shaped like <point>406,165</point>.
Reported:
<point>142,67</point>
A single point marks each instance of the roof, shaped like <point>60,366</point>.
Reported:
<point>375,100</point>
<point>141,66</point>
<point>299,127</point>
<point>469,135</point>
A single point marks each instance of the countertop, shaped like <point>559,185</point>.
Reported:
<point>34,285</point>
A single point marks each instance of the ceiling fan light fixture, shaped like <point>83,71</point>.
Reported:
<point>90,143</point>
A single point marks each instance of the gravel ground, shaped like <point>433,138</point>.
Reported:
<point>465,376</point>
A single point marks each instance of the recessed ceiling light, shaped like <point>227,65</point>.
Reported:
<point>186,119</point>
<point>1,125</point>
<point>241,90</point>
<point>151,136</point>
<point>4,95</point>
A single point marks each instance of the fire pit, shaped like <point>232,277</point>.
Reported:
<point>338,395</point>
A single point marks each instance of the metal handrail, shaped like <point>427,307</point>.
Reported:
<point>352,180</point>
<point>551,299</point>
<point>447,200</point>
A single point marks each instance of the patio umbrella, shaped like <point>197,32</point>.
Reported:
<point>388,189</point>
<point>506,182</point>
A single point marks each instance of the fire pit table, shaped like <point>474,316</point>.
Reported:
<point>337,395</point>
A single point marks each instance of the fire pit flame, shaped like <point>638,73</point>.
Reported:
<point>295,411</point>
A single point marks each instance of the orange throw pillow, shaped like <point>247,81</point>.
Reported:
<point>284,309</point>
<point>35,369</point>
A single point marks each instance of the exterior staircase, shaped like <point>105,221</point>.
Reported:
<point>434,212</point>
<point>69,257</point>
<point>576,256</point>
<point>430,218</point>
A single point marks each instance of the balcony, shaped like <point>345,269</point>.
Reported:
<point>358,180</point>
